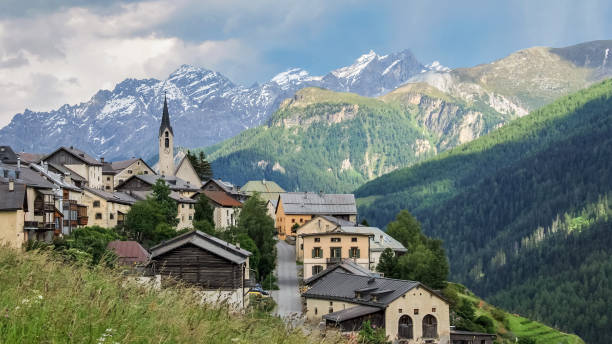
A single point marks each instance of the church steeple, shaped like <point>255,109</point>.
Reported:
<point>165,123</point>
<point>166,144</point>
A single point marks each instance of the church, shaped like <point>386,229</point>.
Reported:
<point>171,165</point>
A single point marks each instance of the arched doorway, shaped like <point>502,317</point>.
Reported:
<point>430,326</point>
<point>404,328</point>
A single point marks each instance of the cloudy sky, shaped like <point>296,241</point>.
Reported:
<point>54,52</point>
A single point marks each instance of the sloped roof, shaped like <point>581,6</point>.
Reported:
<point>379,241</point>
<point>12,200</point>
<point>63,169</point>
<point>129,252</point>
<point>222,198</point>
<point>55,178</point>
<point>174,183</point>
<point>268,190</point>
<point>351,313</point>
<point>318,203</point>
<point>26,176</point>
<point>206,242</point>
<point>143,194</point>
<point>342,286</point>
<point>337,221</point>
<point>77,153</point>
<point>224,185</point>
<point>7,155</point>
<point>30,157</point>
<point>114,197</point>
<point>347,265</point>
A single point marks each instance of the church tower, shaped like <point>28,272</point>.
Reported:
<point>166,144</point>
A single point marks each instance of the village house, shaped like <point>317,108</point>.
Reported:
<point>114,173</point>
<point>409,311</point>
<point>268,191</point>
<point>187,172</point>
<point>79,163</point>
<point>141,186</point>
<point>379,240</point>
<point>129,253</point>
<point>13,206</point>
<point>296,208</point>
<point>325,249</point>
<point>225,208</point>
<point>219,268</point>
<point>106,209</point>
<point>232,190</point>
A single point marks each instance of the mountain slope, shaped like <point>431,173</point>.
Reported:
<point>205,106</point>
<point>524,211</point>
<point>331,141</point>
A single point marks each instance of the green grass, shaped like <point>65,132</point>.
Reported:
<point>514,325</point>
<point>46,301</point>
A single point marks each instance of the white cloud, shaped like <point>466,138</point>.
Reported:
<point>65,57</point>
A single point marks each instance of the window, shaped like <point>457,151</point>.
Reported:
<point>404,330</point>
<point>108,179</point>
<point>129,171</point>
<point>335,239</point>
<point>107,187</point>
<point>354,252</point>
<point>167,142</point>
<point>353,239</point>
<point>317,252</point>
<point>111,216</point>
<point>416,311</point>
<point>292,220</point>
<point>430,326</point>
<point>336,252</point>
<point>190,206</point>
<point>301,220</point>
<point>433,310</point>
<point>182,205</point>
<point>166,133</point>
<point>98,216</point>
<point>190,217</point>
<point>400,310</point>
<point>138,163</point>
<point>316,311</point>
<point>331,303</point>
<point>146,172</point>
<point>316,269</point>
<point>301,246</point>
<point>331,309</point>
<point>96,204</point>
<point>317,239</point>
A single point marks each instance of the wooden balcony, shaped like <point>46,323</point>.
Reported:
<point>83,220</point>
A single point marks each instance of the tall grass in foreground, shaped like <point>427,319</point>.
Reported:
<point>43,300</point>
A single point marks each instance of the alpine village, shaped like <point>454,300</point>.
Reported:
<point>387,201</point>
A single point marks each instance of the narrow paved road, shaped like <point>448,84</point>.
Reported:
<point>288,297</point>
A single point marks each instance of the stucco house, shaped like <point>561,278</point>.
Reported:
<point>114,173</point>
<point>225,208</point>
<point>106,209</point>
<point>409,311</point>
<point>296,208</point>
<point>80,163</point>
<point>379,240</point>
<point>330,248</point>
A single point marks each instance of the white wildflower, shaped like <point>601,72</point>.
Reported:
<point>25,301</point>
<point>40,297</point>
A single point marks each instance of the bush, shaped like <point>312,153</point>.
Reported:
<point>486,322</point>
<point>371,335</point>
<point>526,340</point>
<point>261,304</point>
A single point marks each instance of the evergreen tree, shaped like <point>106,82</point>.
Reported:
<point>387,264</point>
<point>204,210</point>
<point>168,206</point>
<point>200,165</point>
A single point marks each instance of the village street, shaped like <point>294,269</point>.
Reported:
<point>288,297</point>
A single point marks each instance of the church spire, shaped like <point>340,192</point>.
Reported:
<point>165,123</point>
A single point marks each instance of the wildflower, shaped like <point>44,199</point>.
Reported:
<point>17,308</point>
<point>40,297</point>
<point>25,301</point>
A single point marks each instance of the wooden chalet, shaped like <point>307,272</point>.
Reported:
<point>202,260</point>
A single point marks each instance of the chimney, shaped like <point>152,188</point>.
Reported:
<point>11,185</point>
<point>238,245</point>
<point>102,159</point>
<point>18,163</point>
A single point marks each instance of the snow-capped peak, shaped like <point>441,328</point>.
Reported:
<point>435,67</point>
<point>357,67</point>
<point>290,76</point>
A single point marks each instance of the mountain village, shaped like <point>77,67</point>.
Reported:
<point>334,286</point>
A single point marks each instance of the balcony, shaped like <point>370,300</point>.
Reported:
<point>334,260</point>
<point>37,225</point>
<point>83,220</point>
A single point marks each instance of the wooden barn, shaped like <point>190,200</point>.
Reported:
<point>203,260</point>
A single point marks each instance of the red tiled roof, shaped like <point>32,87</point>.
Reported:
<point>222,198</point>
<point>129,252</point>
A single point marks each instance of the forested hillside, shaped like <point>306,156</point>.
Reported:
<point>525,212</point>
<point>332,141</point>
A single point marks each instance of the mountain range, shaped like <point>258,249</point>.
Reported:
<point>335,141</point>
<point>205,107</point>
<point>525,212</point>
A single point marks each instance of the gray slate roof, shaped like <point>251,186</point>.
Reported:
<point>55,178</point>
<point>347,265</point>
<point>379,240</point>
<point>12,200</point>
<point>206,242</point>
<point>351,313</point>
<point>7,155</point>
<point>26,176</point>
<point>342,286</point>
<point>318,203</point>
<point>142,195</point>
<point>173,182</point>
<point>115,197</point>
<point>79,154</point>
